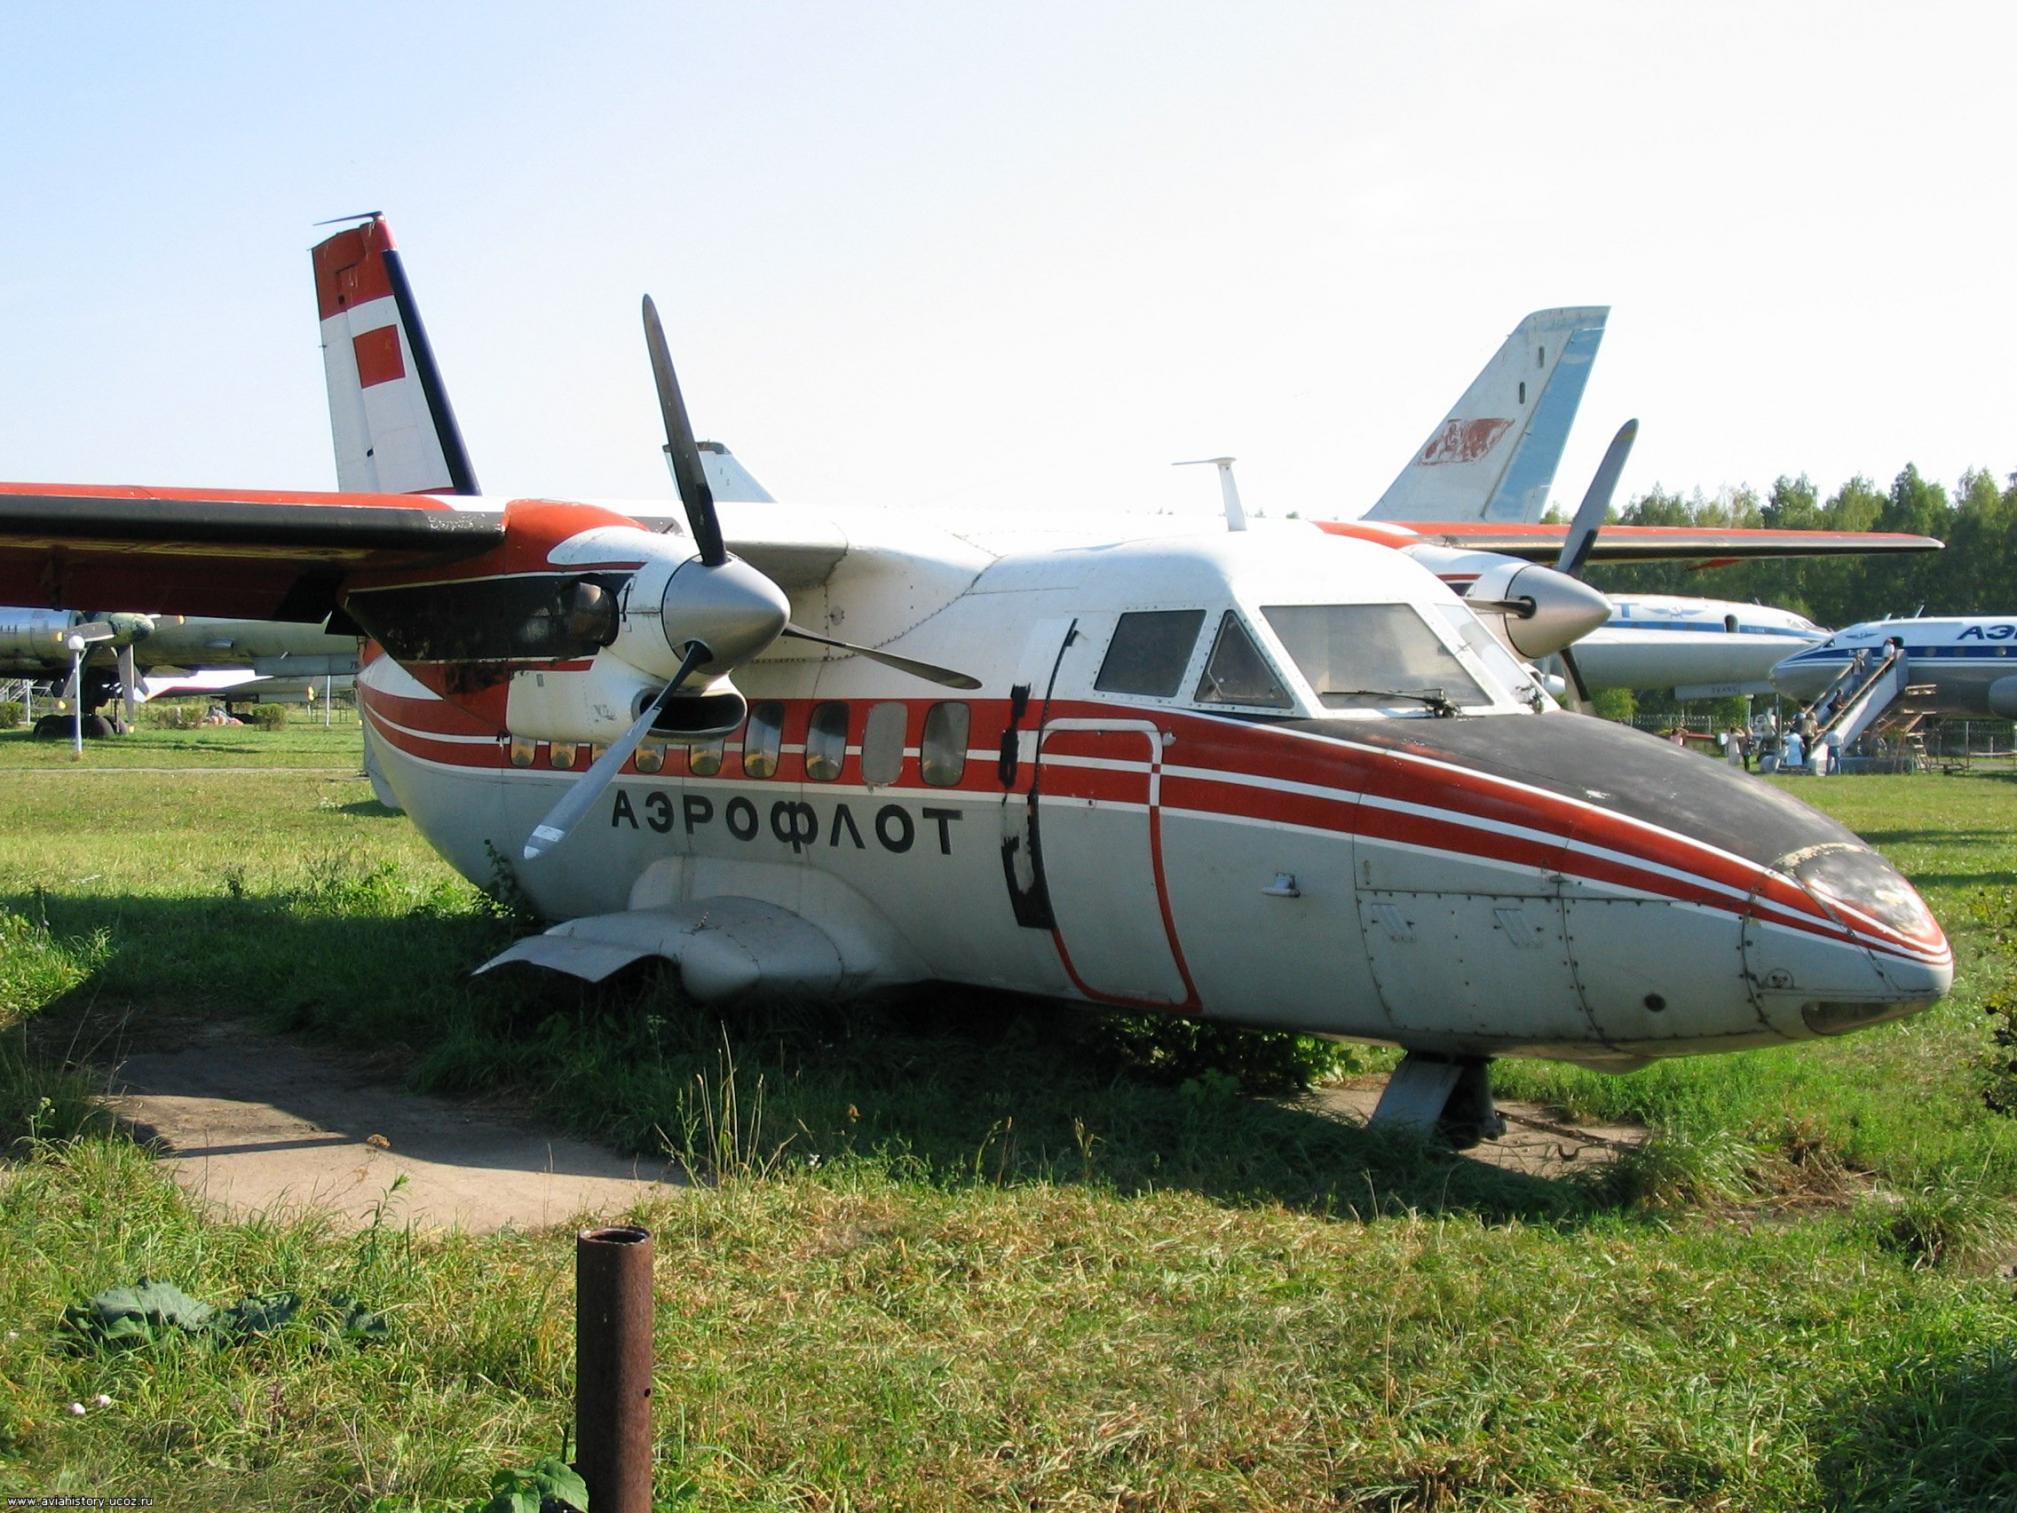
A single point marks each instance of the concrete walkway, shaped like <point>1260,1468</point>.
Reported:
<point>259,1124</point>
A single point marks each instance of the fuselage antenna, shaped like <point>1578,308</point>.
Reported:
<point>1236,517</point>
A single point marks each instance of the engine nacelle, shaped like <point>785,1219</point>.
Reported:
<point>2003,698</point>
<point>597,704</point>
<point>36,636</point>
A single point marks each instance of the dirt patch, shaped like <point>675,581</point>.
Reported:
<point>1538,1142</point>
<point>260,1124</point>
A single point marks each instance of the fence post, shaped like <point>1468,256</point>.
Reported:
<point>612,1366</point>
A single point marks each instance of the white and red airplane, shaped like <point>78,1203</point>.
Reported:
<point>1279,777</point>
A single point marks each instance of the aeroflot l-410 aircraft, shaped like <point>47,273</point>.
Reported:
<point>1278,777</point>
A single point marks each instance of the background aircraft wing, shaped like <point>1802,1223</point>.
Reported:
<point>230,552</point>
<point>1709,546</point>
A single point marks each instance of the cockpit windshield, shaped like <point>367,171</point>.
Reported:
<point>1374,656</point>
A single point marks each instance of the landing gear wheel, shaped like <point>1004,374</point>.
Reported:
<point>60,727</point>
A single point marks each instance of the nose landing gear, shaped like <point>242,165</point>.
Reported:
<point>1449,1097</point>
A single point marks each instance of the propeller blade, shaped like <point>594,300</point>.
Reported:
<point>1596,503</point>
<point>579,799</point>
<point>129,683</point>
<point>1580,700</point>
<point>925,670</point>
<point>680,446</point>
<point>1519,609</point>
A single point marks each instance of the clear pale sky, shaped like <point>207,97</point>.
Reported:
<point>1016,254</point>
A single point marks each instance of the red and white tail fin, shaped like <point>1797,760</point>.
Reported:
<point>394,430</point>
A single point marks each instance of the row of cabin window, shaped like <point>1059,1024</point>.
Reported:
<point>942,750</point>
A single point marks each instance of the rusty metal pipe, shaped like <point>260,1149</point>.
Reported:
<point>612,1366</point>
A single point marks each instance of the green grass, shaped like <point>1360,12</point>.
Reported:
<point>1002,1264</point>
<point>302,742</point>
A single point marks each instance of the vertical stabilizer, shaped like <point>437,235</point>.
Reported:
<point>388,411</point>
<point>1493,457</point>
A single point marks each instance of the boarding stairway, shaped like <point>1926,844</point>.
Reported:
<point>1865,699</point>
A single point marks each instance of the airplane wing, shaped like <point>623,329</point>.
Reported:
<point>241,554</point>
<point>1706,546</point>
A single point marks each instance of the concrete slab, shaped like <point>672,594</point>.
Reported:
<point>260,1124</point>
<point>1537,1142</point>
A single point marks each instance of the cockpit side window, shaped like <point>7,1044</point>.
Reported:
<point>1371,656</point>
<point>1237,673</point>
<point>1149,651</point>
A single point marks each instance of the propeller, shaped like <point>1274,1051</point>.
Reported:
<point>930,672</point>
<point>698,498</point>
<point>716,612</point>
<point>579,799</point>
<point>1582,537</point>
<point>685,452</point>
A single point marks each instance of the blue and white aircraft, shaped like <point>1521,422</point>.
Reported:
<point>1699,648</point>
<point>1959,665</point>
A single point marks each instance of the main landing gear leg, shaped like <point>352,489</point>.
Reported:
<point>1447,1096</point>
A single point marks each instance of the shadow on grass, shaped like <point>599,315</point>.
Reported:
<point>1882,838</point>
<point>370,809</point>
<point>946,1086</point>
<point>1941,1432</point>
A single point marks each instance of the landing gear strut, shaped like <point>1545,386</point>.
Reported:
<point>1446,1096</point>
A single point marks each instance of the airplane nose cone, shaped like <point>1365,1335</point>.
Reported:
<point>1783,924</point>
<point>1867,949</point>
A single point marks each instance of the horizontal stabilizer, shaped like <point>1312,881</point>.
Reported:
<point>724,947</point>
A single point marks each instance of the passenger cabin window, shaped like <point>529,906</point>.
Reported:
<point>882,744</point>
<point>1237,673</point>
<point>523,750</point>
<point>561,753</point>
<point>825,743</point>
<point>703,758</point>
<point>942,753</point>
<point>1149,652</point>
<point>1371,656</point>
<point>545,617</point>
<point>650,756</point>
<point>761,740</point>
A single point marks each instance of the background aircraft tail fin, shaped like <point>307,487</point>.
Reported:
<point>394,430</point>
<point>1493,457</point>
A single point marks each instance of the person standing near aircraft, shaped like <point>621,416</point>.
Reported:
<point>1792,752</point>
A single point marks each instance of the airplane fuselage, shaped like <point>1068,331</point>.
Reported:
<point>1124,814</point>
<point>1717,646</point>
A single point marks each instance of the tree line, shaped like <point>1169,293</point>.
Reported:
<point>1975,575</point>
